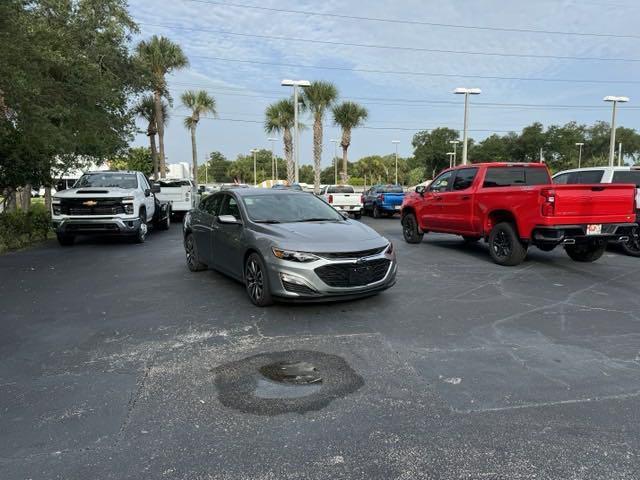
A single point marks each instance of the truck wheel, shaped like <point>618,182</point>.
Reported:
<point>410,229</point>
<point>632,247</point>
<point>65,240</point>
<point>256,281</point>
<point>377,213</point>
<point>505,246</point>
<point>141,234</point>
<point>585,252</point>
<point>357,216</point>
<point>191,251</point>
<point>165,223</point>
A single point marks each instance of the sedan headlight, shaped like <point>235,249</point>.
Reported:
<point>302,257</point>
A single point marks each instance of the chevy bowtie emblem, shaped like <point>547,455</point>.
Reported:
<point>90,203</point>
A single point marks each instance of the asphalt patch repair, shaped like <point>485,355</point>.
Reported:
<point>241,384</point>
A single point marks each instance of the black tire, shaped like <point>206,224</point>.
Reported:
<point>632,247</point>
<point>505,246</point>
<point>410,229</point>
<point>193,260</point>
<point>65,240</point>
<point>165,223</point>
<point>357,216</point>
<point>586,252</point>
<point>468,239</point>
<point>141,233</point>
<point>377,213</point>
<point>256,281</point>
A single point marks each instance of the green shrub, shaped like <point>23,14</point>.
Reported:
<point>19,229</point>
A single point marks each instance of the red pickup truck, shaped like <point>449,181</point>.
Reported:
<point>514,205</point>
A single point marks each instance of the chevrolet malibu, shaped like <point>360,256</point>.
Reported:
<point>287,245</point>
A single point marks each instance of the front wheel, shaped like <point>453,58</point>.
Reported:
<point>141,234</point>
<point>632,247</point>
<point>191,251</point>
<point>586,252</point>
<point>257,281</point>
<point>505,246</point>
<point>410,229</point>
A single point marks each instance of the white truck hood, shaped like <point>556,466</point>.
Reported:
<point>94,192</point>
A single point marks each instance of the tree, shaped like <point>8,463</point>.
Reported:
<point>146,109</point>
<point>279,118</point>
<point>318,97</point>
<point>215,169</point>
<point>431,148</point>
<point>348,115</point>
<point>160,56</point>
<point>494,148</point>
<point>136,158</point>
<point>532,139</point>
<point>200,103</point>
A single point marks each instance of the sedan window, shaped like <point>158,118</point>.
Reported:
<point>281,207</point>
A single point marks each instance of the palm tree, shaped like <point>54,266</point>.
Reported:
<point>317,98</point>
<point>146,109</point>
<point>279,118</point>
<point>160,56</point>
<point>200,103</point>
<point>348,115</point>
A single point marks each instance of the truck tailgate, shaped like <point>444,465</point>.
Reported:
<point>601,203</point>
<point>392,199</point>
<point>344,199</point>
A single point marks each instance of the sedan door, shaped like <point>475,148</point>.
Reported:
<point>202,222</point>
<point>227,243</point>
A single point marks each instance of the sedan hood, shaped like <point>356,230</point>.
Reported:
<point>347,236</point>
<point>94,192</point>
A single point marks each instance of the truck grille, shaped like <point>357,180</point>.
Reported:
<point>354,274</point>
<point>86,206</point>
<point>359,254</point>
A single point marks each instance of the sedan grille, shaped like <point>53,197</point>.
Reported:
<point>354,274</point>
<point>299,289</point>
<point>359,254</point>
<point>90,206</point>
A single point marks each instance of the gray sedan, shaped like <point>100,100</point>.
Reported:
<point>287,245</point>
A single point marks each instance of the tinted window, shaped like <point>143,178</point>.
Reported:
<point>586,177</point>
<point>174,183</point>
<point>442,183</point>
<point>283,207</point>
<point>104,180</point>
<point>211,204</point>
<point>340,189</point>
<point>230,207</point>
<point>536,176</point>
<point>561,179</point>
<point>504,177</point>
<point>464,178</point>
<point>632,176</point>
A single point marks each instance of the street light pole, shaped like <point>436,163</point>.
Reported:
<point>296,131</point>
<point>620,154</point>
<point>335,161</point>
<point>274,163</point>
<point>612,141</point>
<point>465,140</point>
<point>580,144</point>
<point>455,150</point>
<point>396,142</point>
<point>255,176</point>
<point>451,159</point>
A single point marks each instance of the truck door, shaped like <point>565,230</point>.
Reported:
<point>457,205</point>
<point>149,200</point>
<point>430,214</point>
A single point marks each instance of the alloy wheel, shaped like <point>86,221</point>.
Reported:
<point>188,248</point>
<point>502,244</point>
<point>255,281</point>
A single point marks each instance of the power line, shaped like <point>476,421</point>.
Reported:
<point>416,22</point>
<point>421,74</point>
<point>392,47</point>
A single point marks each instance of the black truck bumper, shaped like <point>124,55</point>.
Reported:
<point>576,234</point>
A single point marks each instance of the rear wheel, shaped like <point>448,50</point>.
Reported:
<point>257,281</point>
<point>191,251</point>
<point>165,223</point>
<point>65,240</point>
<point>357,216</point>
<point>632,247</point>
<point>410,229</point>
<point>377,213</point>
<point>586,252</point>
<point>505,246</point>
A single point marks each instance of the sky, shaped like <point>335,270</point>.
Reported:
<point>231,59</point>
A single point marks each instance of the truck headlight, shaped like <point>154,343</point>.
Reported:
<point>302,257</point>
<point>128,208</point>
<point>55,206</point>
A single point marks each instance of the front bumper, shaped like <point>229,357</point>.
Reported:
<point>299,282</point>
<point>99,226</point>
<point>576,234</point>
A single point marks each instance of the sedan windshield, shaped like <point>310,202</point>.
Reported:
<point>288,208</point>
<point>113,180</point>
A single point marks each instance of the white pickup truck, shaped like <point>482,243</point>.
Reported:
<point>343,198</point>
<point>181,192</point>
<point>608,175</point>
<point>108,203</point>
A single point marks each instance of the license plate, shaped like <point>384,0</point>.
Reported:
<point>398,207</point>
<point>594,229</point>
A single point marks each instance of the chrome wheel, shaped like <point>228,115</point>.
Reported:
<point>255,280</point>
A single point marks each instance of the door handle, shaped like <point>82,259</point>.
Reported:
<point>437,199</point>
<point>466,197</point>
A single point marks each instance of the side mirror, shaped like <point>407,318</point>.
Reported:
<point>420,189</point>
<point>155,188</point>
<point>229,220</point>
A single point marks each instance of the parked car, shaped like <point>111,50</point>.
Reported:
<point>515,205</point>
<point>343,198</point>
<point>284,186</point>
<point>609,175</point>
<point>108,203</point>
<point>287,245</point>
<point>182,193</point>
<point>382,200</point>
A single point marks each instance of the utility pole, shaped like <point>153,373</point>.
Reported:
<point>465,137</point>
<point>620,154</point>
<point>580,144</point>
<point>396,142</point>
<point>612,141</point>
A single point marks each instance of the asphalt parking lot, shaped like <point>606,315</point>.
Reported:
<point>116,362</point>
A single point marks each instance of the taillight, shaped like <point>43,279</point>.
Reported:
<point>549,202</point>
<point>330,199</point>
<point>381,197</point>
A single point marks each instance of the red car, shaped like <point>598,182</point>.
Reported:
<point>514,205</point>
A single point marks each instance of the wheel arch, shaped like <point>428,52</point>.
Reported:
<point>498,216</point>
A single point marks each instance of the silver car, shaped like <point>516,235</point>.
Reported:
<point>287,245</point>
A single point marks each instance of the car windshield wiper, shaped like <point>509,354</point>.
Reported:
<point>267,221</point>
<point>318,220</point>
